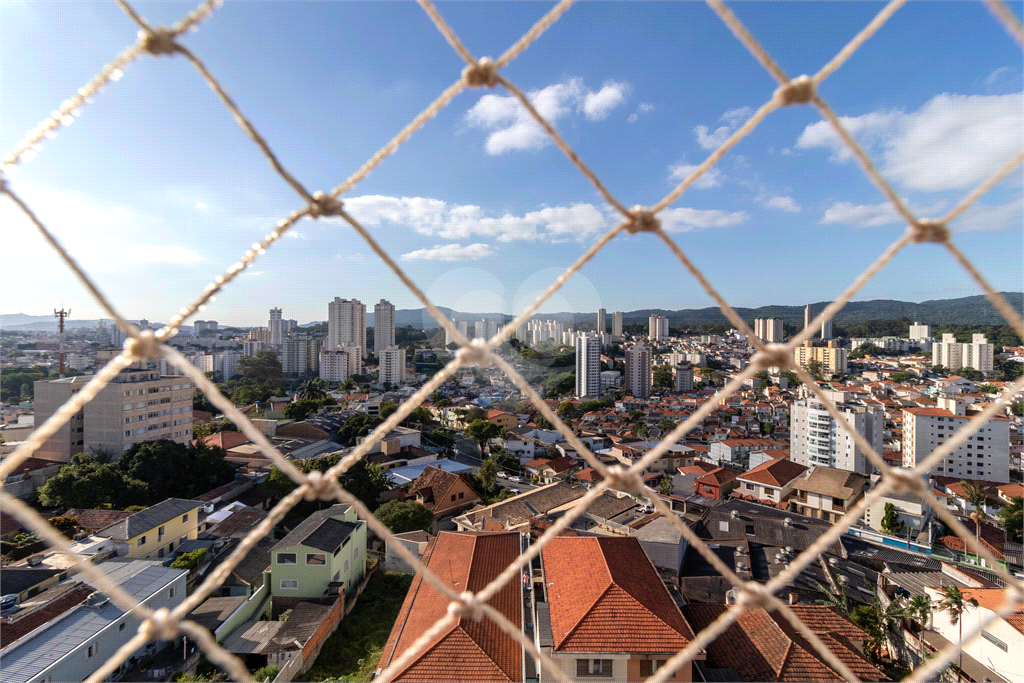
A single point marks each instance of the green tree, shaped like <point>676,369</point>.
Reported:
<point>301,409</point>
<point>174,470</point>
<point>891,523</point>
<point>189,560</point>
<point>314,389</point>
<point>263,367</point>
<point>358,425</point>
<point>663,377</point>
<point>348,386</point>
<point>1012,519</point>
<point>814,368</point>
<point>566,411</point>
<point>954,603</point>
<point>86,483</point>
<point>902,377</point>
<point>542,422</point>
<point>387,409</point>
<point>488,472</point>
<point>443,402</point>
<point>201,402</point>
<point>481,432</point>
<point>65,525</point>
<point>988,389</point>
<point>919,608</point>
<point>977,497</point>
<point>401,516</point>
<point>665,485</point>
<point>840,601</point>
<point>277,485</point>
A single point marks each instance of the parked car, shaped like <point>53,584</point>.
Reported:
<point>515,478</point>
<point>646,509</point>
<point>515,492</point>
<point>502,475</point>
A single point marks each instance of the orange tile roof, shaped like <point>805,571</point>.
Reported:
<point>718,475</point>
<point>774,472</point>
<point>606,596</point>
<point>468,650</point>
<point>992,599</point>
<point>227,439</point>
<point>764,647</point>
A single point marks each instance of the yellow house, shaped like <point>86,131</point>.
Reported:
<point>156,531</point>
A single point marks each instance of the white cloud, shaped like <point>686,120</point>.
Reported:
<point>202,206</point>
<point>783,204</point>
<point>450,252</point>
<point>513,128</point>
<point>861,215</point>
<point>713,139</point>
<point>710,178</point>
<point>989,217</point>
<point>641,108</point>
<point>597,105</point>
<point>684,219</point>
<point>952,142</point>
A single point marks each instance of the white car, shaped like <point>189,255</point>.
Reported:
<point>502,475</point>
<point>515,478</point>
<point>515,492</point>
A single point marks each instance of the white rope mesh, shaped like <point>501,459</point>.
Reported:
<point>483,72</point>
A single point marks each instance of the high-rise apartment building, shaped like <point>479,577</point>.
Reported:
<point>919,331</point>
<point>300,354</point>
<point>832,357</point>
<point>617,324</point>
<point>683,377</point>
<point>826,329</point>
<point>658,327</point>
<point>334,365</point>
<point>383,326</point>
<point>201,326</point>
<point>769,330</point>
<point>637,381</point>
<point>816,438</point>
<point>346,324</point>
<point>952,355</point>
<point>485,329</point>
<point>276,327</point>
<point>137,405</point>
<point>602,321</point>
<point>588,366</point>
<point>392,365</point>
<point>985,455</point>
<point>463,327</point>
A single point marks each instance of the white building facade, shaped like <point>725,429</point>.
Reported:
<point>346,324</point>
<point>588,366</point>
<point>383,326</point>
<point>985,455</point>
<point>818,439</point>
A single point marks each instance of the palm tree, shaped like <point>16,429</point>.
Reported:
<point>977,497</point>
<point>313,390</point>
<point>919,608</point>
<point>839,601</point>
<point>1012,518</point>
<point>954,602</point>
<point>348,385</point>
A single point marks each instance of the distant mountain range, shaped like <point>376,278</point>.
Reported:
<point>970,310</point>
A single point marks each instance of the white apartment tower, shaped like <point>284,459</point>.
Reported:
<point>334,365</point>
<point>300,354</point>
<point>137,405</point>
<point>816,438</point>
<point>485,329</point>
<point>346,324</point>
<point>383,326</point>
<point>985,455</point>
<point>919,331</point>
<point>392,365</point>
<point>952,355</point>
<point>602,321</point>
<point>826,329</point>
<point>588,366</point>
<point>683,377</point>
<point>658,327</point>
<point>617,324</point>
<point>768,330</point>
<point>637,381</point>
<point>275,326</point>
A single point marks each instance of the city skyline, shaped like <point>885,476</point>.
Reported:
<point>480,233</point>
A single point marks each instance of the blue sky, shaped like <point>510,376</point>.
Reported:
<point>157,191</point>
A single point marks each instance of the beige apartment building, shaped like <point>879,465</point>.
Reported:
<point>832,357</point>
<point>138,405</point>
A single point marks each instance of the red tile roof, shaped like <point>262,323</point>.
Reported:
<point>434,484</point>
<point>606,596</point>
<point>717,476</point>
<point>23,623</point>
<point>227,439</point>
<point>774,472</point>
<point>992,599</point>
<point>468,650</point>
<point>764,647</point>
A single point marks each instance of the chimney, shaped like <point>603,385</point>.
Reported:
<point>794,598</point>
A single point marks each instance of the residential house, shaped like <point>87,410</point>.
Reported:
<point>26,582</point>
<point>72,629</point>
<point>716,484</point>
<point>675,457</point>
<point>548,471</point>
<point>328,547</point>
<point>157,530</point>
<point>504,420</point>
<point>995,656</point>
<point>763,646</point>
<point>468,650</point>
<point>515,513</point>
<point>92,520</point>
<point>769,483</point>
<point>910,509</point>
<point>736,452</point>
<point>827,493</point>
<point>605,612</point>
<point>446,494</point>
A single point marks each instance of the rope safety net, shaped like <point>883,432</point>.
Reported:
<point>164,624</point>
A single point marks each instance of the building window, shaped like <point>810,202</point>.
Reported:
<point>286,558</point>
<point>649,666</point>
<point>120,627</point>
<point>594,667</point>
<point>749,487</point>
<point>290,584</point>
<point>184,518</point>
<point>453,497</point>
<point>170,593</point>
<point>461,495</point>
<point>141,542</point>
<point>316,558</point>
<point>346,565</point>
<point>93,649</point>
<point>160,553</point>
<point>995,641</point>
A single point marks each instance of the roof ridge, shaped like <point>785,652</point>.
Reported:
<point>585,613</point>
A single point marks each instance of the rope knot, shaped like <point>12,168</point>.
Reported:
<point>752,597</point>
<point>143,346</point>
<point>158,41</point>
<point>774,356</point>
<point>318,487</point>
<point>642,220</point>
<point>929,231</point>
<point>621,479</point>
<point>468,606</point>
<point>800,90</point>
<point>324,205</point>
<point>160,626</point>
<point>905,480</point>
<point>483,73</point>
<point>476,353</point>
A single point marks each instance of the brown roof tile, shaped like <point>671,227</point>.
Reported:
<point>774,472</point>
<point>24,623</point>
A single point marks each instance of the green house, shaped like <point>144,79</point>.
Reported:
<point>328,547</point>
